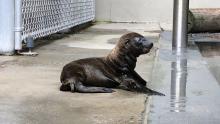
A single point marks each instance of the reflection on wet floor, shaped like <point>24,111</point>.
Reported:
<point>178,84</point>
<point>192,92</point>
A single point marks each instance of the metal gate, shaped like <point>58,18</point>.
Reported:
<point>38,18</point>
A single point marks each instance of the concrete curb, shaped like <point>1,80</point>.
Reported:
<point>149,98</point>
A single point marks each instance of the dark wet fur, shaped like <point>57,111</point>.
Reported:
<point>116,70</point>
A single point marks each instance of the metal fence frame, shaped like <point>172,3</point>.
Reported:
<point>39,18</point>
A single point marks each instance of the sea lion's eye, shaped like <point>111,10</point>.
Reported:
<point>139,43</point>
<point>137,39</point>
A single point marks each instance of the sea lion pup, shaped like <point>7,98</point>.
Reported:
<point>116,70</point>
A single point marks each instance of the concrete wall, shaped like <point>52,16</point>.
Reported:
<point>143,10</point>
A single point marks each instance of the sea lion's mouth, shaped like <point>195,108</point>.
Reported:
<point>146,50</point>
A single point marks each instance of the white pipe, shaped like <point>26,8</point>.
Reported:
<point>7,43</point>
<point>18,24</point>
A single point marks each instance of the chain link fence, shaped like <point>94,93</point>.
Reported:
<point>44,17</point>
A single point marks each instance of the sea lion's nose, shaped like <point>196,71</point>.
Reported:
<point>151,45</point>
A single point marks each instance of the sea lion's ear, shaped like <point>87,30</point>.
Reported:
<point>127,41</point>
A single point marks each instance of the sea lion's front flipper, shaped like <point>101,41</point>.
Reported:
<point>152,92</point>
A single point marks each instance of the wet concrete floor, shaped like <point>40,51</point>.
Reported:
<point>29,86</point>
<point>192,91</point>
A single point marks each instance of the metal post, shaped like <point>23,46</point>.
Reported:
<point>7,44</point>
<point>18,24</point>
<point>180,18</point>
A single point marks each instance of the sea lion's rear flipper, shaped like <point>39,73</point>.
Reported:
<point>79,87</point>
<point>68,85</point>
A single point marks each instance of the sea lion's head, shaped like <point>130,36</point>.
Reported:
<point>129,47</point>
<point>134,43</point>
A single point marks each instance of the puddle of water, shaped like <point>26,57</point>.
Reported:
<point>191,90</point>
<point>113,41</point>
<point>99,42</point>
<point>88,45</point>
